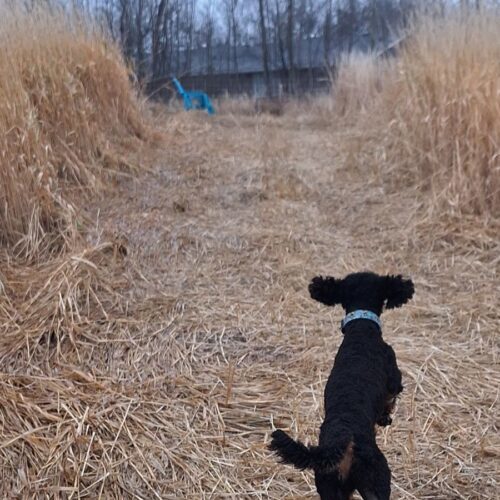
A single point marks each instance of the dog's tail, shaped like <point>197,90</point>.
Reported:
<point>322,459</point>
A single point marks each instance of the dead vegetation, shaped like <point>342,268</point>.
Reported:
<point>436,108</point>
<point>150,354</point>
<point>447,126</point>
<point>66,106</point>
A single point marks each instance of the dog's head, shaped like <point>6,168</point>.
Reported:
<point>365,290</point>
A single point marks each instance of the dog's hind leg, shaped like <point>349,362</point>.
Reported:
<point>373,477</point>
<point>329,487</point>
<point>394,378</point>
<point>380,489</point>
<point>394,387</point>
<point>368,495</point>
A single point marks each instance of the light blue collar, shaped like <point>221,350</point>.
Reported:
<point>360,314</point>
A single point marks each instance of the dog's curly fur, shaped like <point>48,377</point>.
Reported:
<point>360,392</point>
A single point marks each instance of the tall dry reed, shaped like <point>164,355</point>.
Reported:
<point>65,99</point>
<point>435,108</point>
<point>359,82</point>
<point>446,125</point>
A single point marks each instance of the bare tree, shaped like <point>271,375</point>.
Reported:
<point>206,36</point>
<point>279,36</point>
<point>158,21</point>
<point>188,27</point>
<point>265,49</point>
<point>234,5</point>
<point>290,47</point>
<point>328,32</point>
<point>163,37</point>
<point>140,34</point>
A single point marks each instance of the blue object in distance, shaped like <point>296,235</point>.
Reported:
<point>194,99</point>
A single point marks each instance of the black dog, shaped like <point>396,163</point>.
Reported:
<point>360,392</point>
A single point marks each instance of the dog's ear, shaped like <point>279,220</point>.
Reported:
<point>327,290</point>
<point>398,291</point>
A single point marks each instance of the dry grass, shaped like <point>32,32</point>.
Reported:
<point>155,366</point>
<point>359,84</point>
<point>240,105</point>
<point>436,109</point>
<point>68,115</point>
<point>244,105</point>
<point>447,123</point>
<point>65,105</point>
<point>172,390</point>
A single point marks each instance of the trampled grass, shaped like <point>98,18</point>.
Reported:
<point>151,339</point>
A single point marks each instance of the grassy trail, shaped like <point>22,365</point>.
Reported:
<point>236,216</point>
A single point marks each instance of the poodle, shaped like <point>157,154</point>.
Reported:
<point>361,391</point>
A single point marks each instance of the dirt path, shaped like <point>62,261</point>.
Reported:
<point>223,236</point>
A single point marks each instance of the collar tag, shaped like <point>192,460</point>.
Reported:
<point>360,314</point>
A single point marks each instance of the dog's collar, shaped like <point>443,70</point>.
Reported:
<point>360,314</point>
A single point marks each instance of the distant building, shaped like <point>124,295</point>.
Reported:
<point>215,72</point>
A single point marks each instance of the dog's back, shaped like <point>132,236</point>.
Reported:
<point>354,399</point>
<point>357,384</point>
<point>360,392</point>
